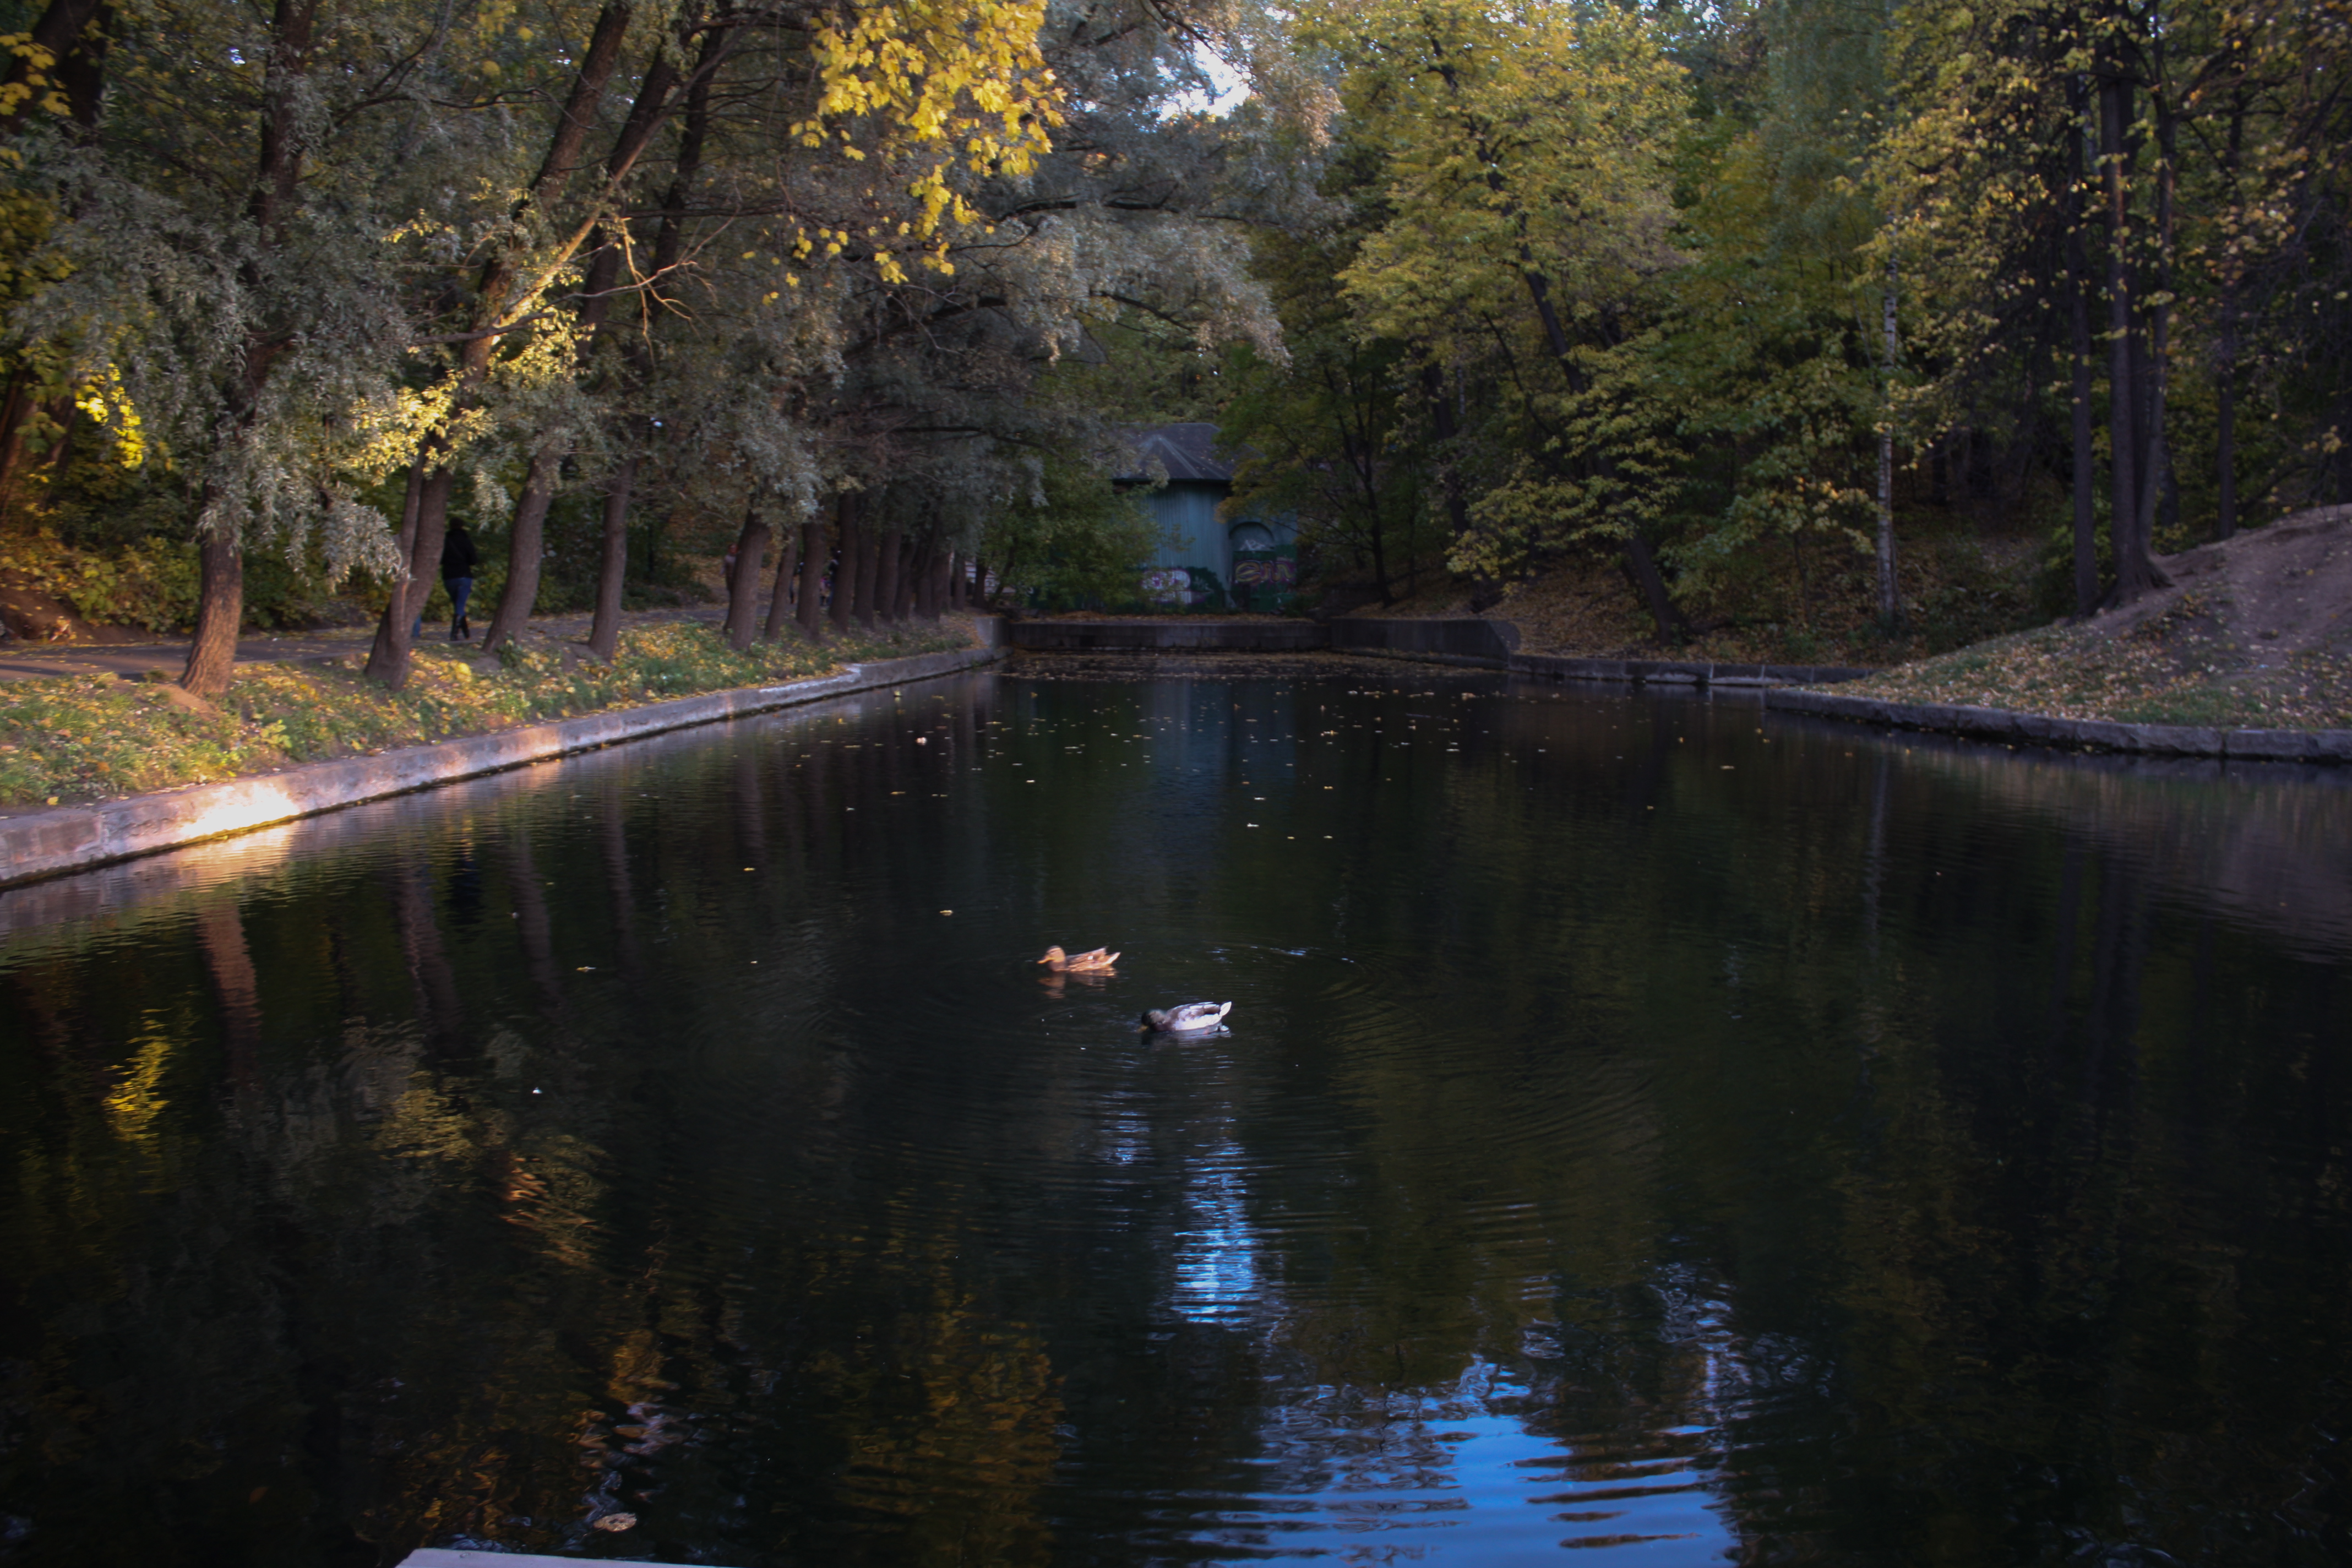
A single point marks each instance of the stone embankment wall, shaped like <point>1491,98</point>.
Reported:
<point>2040,730</point>
<point>1465,640</point>
<point>1166,636</point>
<point>1494,645</point>
<point>50,843</point>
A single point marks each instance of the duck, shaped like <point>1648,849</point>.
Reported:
<point>1189,1019</point>
<point>1094,963</point>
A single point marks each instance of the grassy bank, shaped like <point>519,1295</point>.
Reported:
<point>88,738</point>
<point>2176,668</point>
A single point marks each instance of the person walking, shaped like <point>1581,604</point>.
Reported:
<point>457,558</point>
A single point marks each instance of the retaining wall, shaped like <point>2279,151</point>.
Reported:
<point>1464,639</point>
<point>1680,672</point>
<point>2040,730</point>
<point>51,843</point>
<point>1166,636</point>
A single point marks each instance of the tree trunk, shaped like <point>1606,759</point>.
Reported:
<point>2078,312</point>
<point>1442,422</point>
<point>604,634</point>
<point>60,34</point>
<point>813,560</point>
<point>779,600</point>
<point>1642,567</point>
<point>913,561</point>
<point>1890,607</point>
<point>525,549</point>
<point>411,503</point>
<point>425,559</point>
<point>494,283</point>
<point>220,606</point>
<point>869,563</point>
<point>743,593</point>
<point>82,73</point>
<point>653,93</point>
<point>2133,573</point>
<point>846,565</point>
<point>2155,465</point>
<point>956,566</point>
<point>15,416</point>
<point>387,662</point>
<point>2225,357</point>
<point>526,544</point>
<point>493,286</point>
<point>885,575</point>
<point>2225,419</point>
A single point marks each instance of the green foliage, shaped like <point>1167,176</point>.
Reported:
<point>269,350</point>
<point>1521,211</point>
<point>1768,352</point>
<point>1074,541</point>
<point>151,583</point>
<point>1627,273</point>
<point>1330,445</point>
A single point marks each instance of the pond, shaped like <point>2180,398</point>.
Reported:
<point>1648,1131</point>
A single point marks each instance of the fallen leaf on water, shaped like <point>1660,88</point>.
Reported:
<point>617,1521</point>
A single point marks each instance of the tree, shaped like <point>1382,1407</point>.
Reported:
<point>1524,219</point>
<point>1324,436</point>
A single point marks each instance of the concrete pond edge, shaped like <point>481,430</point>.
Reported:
<point>442,1557</point>
<point>1470,642</point>
<point>2097,734</point>
<point>65,840</point>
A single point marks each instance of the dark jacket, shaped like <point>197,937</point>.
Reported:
<point>457,553</point>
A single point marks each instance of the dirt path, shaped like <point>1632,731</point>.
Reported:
<point>2268,595</point>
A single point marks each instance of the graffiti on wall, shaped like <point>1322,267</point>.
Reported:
<point>1264,572</point>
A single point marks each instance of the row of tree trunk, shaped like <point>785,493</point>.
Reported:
<point>875,575</point>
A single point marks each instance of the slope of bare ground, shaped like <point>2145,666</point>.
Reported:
<point>2272,594</point>
<point>2256,632</point>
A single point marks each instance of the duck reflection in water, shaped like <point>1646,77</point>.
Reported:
<point>1055,983</point>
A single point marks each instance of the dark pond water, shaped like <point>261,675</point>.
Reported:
<point>1648,1132</point>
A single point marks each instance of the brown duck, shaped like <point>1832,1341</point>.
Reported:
<point>1099,962</point>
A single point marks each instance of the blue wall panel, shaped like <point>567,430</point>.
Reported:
<point>1190,509</point>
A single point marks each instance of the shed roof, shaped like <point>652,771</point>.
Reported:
<point>1186,451</point>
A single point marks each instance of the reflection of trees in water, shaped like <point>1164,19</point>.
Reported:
<point>1985,1232</point>
<point>1842,1137</point>
<point>2269,844</point>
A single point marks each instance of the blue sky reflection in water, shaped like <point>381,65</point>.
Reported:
<point>1648,1132</point>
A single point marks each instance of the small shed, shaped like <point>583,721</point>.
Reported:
<point>1244,563</point>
